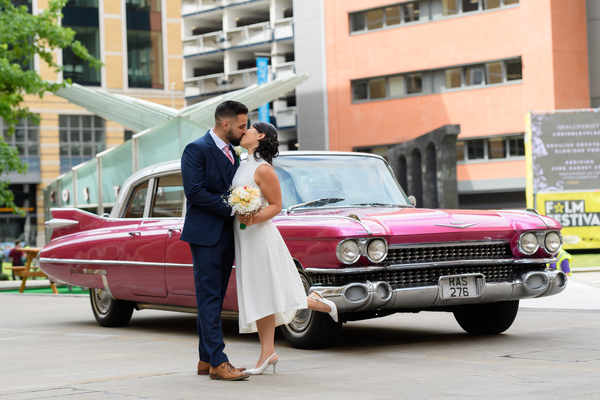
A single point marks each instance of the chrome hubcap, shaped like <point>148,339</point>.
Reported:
<point>102,300</point>
<point>302,318</point>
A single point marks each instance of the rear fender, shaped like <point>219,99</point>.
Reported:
<point>66,221</point>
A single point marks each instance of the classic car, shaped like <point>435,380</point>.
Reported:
<point>352,232</point>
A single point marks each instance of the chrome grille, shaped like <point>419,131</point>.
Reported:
<point>410,255</point>
<point>415,277</point>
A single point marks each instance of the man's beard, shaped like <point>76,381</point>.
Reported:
<point>232,139</point>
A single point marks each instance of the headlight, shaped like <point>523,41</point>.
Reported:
<point>552,242</point>
<point>377,250</point>
<point>528,243</point>
<point>347,251</point>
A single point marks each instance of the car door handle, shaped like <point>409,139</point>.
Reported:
<point>171,231</point>
<point>135,233</point>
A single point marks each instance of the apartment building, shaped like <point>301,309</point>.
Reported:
<point>140,43</point>
<point>221,42</point>
<point>396,70</point>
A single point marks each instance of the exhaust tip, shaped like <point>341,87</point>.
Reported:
<point>383,291</point>
<point>536,281</point>
<point>560,279</point>
<point>356,293</point>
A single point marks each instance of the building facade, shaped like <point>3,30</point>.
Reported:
<point>139,42</point>
<point>221,42</point>
<point>397,70</point>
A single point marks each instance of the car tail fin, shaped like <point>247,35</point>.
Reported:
<point>66,221</point>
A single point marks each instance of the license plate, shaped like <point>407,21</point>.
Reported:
<point>458,286</point>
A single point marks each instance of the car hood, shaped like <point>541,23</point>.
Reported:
<point>412,225</point>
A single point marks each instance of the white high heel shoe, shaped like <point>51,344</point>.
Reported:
<point>333,313</point>
<point>262,368</point>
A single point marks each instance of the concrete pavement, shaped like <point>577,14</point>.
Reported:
<point>52,348</point>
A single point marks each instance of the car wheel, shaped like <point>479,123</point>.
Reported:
<point>487,319</point>
<point>308,329</point>
<point>108,311</point>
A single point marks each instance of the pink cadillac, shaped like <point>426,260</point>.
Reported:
<point>352,232</point>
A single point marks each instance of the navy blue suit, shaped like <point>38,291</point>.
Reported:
<point>207,174</point>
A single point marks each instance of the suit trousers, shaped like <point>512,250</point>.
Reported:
<point>212,269</point>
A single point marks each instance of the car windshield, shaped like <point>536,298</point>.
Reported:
<point>347,179</point>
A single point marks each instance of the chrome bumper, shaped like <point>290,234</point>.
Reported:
<point>365,296</point>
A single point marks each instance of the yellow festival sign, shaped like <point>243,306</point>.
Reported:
<point>563,173</point>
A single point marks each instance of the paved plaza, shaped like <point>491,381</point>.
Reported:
<point>52,348</point>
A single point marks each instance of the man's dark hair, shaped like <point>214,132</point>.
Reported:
<point>229,109</point>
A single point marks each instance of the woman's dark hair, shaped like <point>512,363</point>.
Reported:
<point>268,147</point>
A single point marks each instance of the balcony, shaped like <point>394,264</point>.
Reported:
<point>221,83</point>
<point>284,118</point>
<point>199,6</point>
<point>284,29</point>
<point>243,36</point>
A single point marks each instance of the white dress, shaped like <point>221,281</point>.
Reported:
<point>266,276</point>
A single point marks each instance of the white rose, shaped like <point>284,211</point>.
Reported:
<point>238,150</point>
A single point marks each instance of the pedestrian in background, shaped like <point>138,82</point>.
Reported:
<point>564,260</point>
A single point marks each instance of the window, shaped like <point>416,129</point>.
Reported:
<point>514,70</point>
<point>414,83</point>
<point>144,44</point>
<point>375,19</point>
<point>26,139</point>
<point>396,86</point>
<point>449,7</point>
<point>490,4</point>
<point>475,75</point>
<point>411,12</point>
<point>377,89</point>
<point>491,73</point>
<point>360,91</point>
<point>460,150</point>
<point>168,198</point>
<point>357,22</point>
<point>496,148</point>
<point>494,72</point>
<point>392,15</point>
<point>81,138</point>
<point>509,2</point>
<point>470,5</point>
<point>82,17</point>
<point>516,147</point>
<point>137,203</point>
<point>453,78</point>
<point>384,17</point>
<point>475,149</point>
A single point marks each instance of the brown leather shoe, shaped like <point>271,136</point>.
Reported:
<point>204,368</point>
<point>227,372</point>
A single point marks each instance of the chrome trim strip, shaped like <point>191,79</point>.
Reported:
<point>179,265</point>
<point>88,271</point>
<point>366,228</point>
<point>449,244</point>
<point>461,225</point>
<point>397,267</point>
<point>97,262</point>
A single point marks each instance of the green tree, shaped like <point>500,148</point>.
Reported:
<point>22,36</point>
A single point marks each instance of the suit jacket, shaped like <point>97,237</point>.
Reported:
<point>207,174</point>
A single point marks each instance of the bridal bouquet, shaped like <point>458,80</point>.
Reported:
<point>247,200</point>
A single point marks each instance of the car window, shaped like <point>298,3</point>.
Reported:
<point>137,201</point>
<point>168,197</point>
<point>356,179</point>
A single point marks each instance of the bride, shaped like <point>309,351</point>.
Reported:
<point>269,288</point>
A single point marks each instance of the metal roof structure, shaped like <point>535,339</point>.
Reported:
<point>139,115</point>
<point>163,133</point>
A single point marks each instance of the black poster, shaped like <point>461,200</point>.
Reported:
<point>565,150</point>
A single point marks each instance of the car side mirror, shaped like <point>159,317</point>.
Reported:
<point>412,200</point>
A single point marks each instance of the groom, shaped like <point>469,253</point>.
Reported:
<point>208,165</point>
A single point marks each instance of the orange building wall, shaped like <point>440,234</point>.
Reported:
<point>542,32</point>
